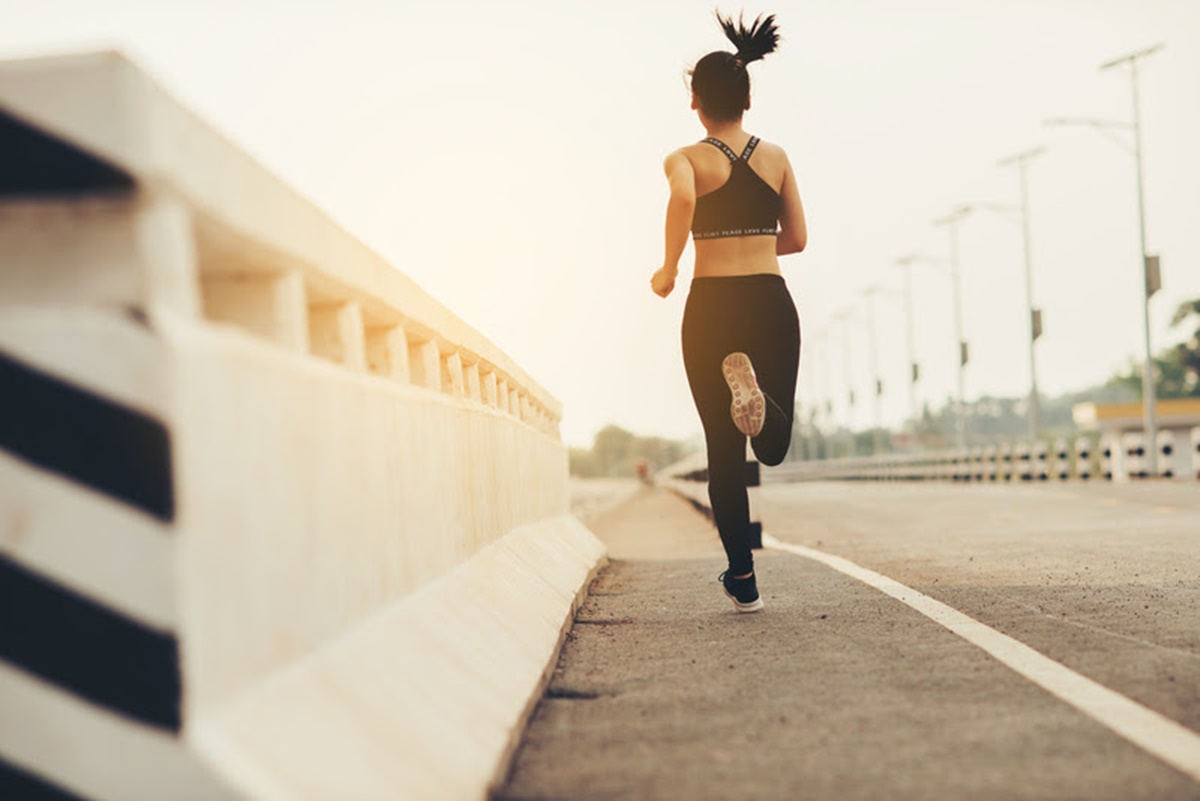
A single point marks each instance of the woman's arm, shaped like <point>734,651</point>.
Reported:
<point>793,232</point>
<point>680,206</point>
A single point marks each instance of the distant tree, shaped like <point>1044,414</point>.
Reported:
<point>617,452</point>
<point>1170,379</point>
<point>1187,353</point>
<point>932,428</point>
<point>611,448</point>
<point>993,418</point>
<point>1176,369</point>
<point>864,442</point>
<point>656,451</point>
<point>583,463</point>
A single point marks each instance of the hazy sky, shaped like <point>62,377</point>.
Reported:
<point>507,156</point>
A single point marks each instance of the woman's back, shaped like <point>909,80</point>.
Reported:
<point>712,168</point>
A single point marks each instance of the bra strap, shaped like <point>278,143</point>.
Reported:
<point>753,143</point>
<point>723,147</point>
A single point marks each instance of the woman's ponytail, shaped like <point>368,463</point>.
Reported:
<point>752,43</point>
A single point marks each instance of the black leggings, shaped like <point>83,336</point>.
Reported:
<point>753,314</point>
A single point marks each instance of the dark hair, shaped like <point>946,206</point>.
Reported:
<point>720,80</point>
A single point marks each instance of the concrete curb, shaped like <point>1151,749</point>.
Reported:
<point>426,700</point>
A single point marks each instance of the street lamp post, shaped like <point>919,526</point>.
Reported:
<point>1151,279</point>
<point>1035,314</point>
<point>1149,273</point>
<point>816,381</point>
<point>843,317</point>
<point>826,336</point>
<point>951,222</point>
<point>907,263</point>
<point>914,370</point>
<point>877,434</point>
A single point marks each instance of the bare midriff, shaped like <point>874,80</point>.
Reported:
<point>736,255</point>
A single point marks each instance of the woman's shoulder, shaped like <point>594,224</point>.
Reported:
<point>676,158</point>
<point>690,151</point>
<point>770,149</point>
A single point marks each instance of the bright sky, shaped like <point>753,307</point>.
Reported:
<point>507,156</point>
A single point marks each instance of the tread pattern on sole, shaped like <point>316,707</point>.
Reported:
<point>749,407</point>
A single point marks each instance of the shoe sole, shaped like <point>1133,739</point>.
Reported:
<point>742,608</point>
<point>749,407</point>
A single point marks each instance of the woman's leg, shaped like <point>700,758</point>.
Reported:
<point>708,336</point>
<point>775,351</point>
<point>727,492</point>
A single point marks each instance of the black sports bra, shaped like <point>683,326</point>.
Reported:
<point>745,205</point>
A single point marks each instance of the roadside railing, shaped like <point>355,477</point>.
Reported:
<point>1109,457</point>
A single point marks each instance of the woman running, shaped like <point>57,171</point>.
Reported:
<point>741,335</point>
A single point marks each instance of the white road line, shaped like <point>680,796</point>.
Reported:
<point>1156,734</point>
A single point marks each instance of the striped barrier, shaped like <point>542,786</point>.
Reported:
<point>1110,456</point>
<point>1041,460</point>
<point>1005,456</point>
<point>1022,461</point>
<point>91,668</point>
<point>990,461</point>
<point>275,523</point>
<point>1062,459</point>
<point>1084,448</point>
<point>1172,460</point>
<point>1133,447</point>
<point>1196,452</point>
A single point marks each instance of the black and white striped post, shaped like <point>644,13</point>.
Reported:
<point>90,666</point>
<point>1168,453</point>
<point>88,615</point>
<point>1196,452</point>
<point>1083,458</point>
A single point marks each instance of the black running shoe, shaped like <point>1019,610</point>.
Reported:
<point>743,592</point>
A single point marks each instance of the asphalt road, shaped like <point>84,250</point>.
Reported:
<point>1103,578</point>
<point>839,691</point>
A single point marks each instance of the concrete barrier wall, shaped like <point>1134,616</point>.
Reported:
<point>321,520</point>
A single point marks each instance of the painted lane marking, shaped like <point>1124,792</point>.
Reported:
<point>1155,734</point>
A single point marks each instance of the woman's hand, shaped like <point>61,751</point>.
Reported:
<point>663,281</point>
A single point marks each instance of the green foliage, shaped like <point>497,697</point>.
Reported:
<point>1187,353</point>
<point>617,452</point>
<point>1177,368</point>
